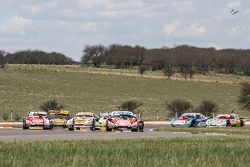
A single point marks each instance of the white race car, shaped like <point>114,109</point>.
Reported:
<point>82,120</point>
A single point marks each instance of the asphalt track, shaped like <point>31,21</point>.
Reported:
<point>63,134</point>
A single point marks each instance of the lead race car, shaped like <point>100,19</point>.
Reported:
<point>83,120</point>
<point>124,120</point>
<point>223,120</point>
<point>190,120</point>
<point>36,119</point>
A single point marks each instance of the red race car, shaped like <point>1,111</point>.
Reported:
<point>124,120</point>
<point>232,119</point>
<point>36,118</point>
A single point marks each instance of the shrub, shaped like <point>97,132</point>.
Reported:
<point>51,105</point>
<point>207,108</point>
<point>178,106</point>
<point>129,105</point>
<point>5,116</point>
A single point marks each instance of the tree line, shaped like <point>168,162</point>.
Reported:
<point>183,58</point>
<point>33,57</point>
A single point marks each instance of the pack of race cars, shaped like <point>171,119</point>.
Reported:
<point>120,120</point>
<point>199,120</point>
<point>116,120</point>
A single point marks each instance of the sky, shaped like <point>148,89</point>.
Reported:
<point>67,26</point>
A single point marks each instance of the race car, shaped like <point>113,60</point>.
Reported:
<point>100,123</point>
<point>82,120</point>
<point>36,119</point>
<point>124,120</point>
<point>190,120</point>
<point>58,118</point>
<point>225,120</point>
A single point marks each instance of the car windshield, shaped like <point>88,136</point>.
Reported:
<point>38,114</point>
<point>85,116</point>
<point>190,116</point>
<point>124,117</point>
<point>223,116</point>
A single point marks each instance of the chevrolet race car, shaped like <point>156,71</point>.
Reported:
<point>100,123</point>
<point>225,120</point>
<point>121,120</point>
<point>190,120</point>
<point>36,119</point>
<point>82,120</point>
<point>58,118</point>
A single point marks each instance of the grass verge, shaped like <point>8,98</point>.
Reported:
<point>226,130</point>
<point>209,152</point>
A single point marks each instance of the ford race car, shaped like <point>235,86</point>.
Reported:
<point>225,120</point>
<point>190,120</point>
<point>58,118</point>
<point>82,120</point>
<point>121,120</point>
<point>36,119</point>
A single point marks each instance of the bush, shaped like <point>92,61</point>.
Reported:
<point>17,117</point>
<point>178,106</point>
<point>168,71</point>
<point>244,98</point>
<point>5,116</point>
<point>129,105</point>
<point>207,108</point>
<point>142,69</point>
<point>51,105</point>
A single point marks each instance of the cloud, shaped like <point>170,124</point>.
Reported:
<point>177,28</point>
<point>15,23</point>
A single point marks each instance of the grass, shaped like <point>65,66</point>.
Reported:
<point>227,130</point>
<point>210,152</point>
<point>25,87</point>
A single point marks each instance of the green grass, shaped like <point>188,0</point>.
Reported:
<point>25,87</point>
<point>227,130</point>
<point>181,152</point>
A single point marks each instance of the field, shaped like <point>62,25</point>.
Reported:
<point>25,87</point>
<point>210,152</point>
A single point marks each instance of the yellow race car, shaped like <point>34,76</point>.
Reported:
<point>58,118</point>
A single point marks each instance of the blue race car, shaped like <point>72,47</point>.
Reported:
<point>190,120</point>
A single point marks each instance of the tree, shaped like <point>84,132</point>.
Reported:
<point>168,71</point>
<point>129,105</point>
<point>244,98</point>
<point>2,59</point>
<point>93,54</point>
<point>5,116</point>
<point>178,106</point>
<point>191,72</point>
<point>142,69</point>
<point>51,105</point>
<point>207,108</point>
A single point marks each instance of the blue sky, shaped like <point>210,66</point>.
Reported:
<point>66,26</point>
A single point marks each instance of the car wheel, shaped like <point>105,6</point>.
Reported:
<point>77,128</point>
<point>134,130</point>
<point>194,124</point>
<point>241,123</point>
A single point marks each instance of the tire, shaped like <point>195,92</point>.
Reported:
<point>77,128</point>
<point>194,124</point>
<point>25,126</point>
<point>107,128</point>
<point>93,126</point>
<point>241,123</point>
<point>134,130</point>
